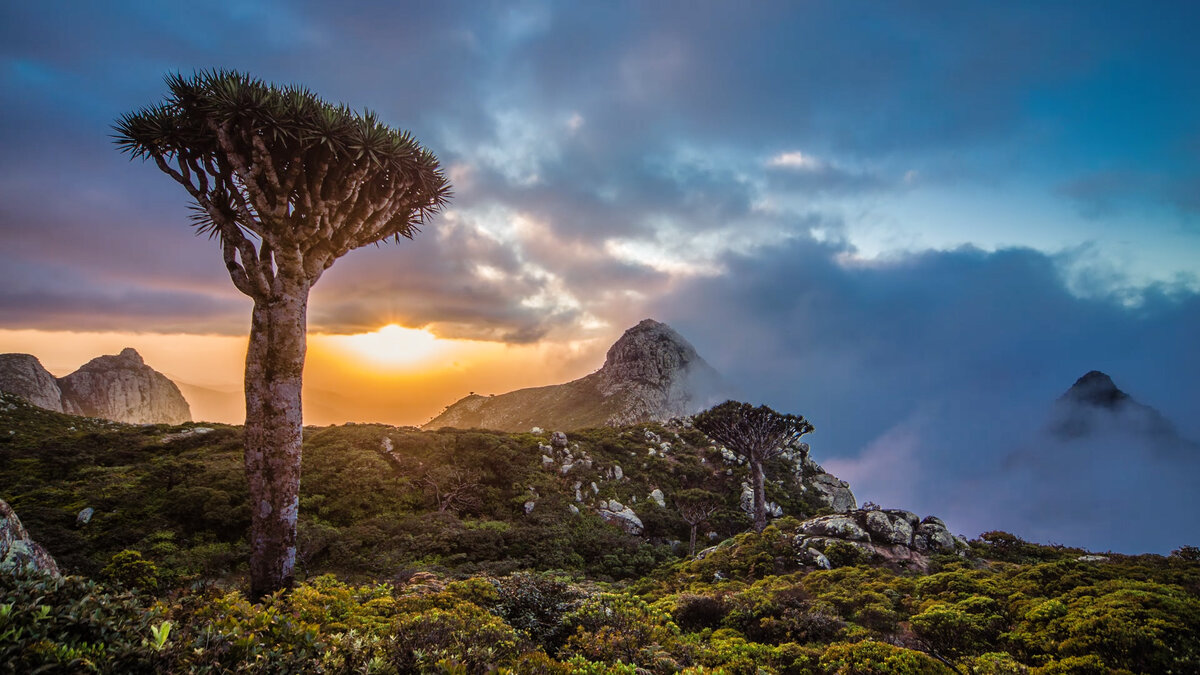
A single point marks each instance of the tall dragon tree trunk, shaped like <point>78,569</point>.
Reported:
<point>760,495</point>
<point>274,428</point>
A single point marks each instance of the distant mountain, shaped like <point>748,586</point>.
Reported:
<point>1094,404</point>
<point>25,376</point>
<point>650,374</point>
<point>120,387</point>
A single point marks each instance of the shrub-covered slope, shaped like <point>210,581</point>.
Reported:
<point>417,549</point>
<point>376,501</point>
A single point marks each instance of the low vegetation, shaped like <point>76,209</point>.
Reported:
<point>397,578</point>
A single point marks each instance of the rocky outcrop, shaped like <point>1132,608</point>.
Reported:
<point>123,388</point>
<point>657,374</point>
<point>17,550</point>
<point>831,491</point>
<point>651,374</point>
<point>616,513</point>
<point>897,536</point>
<point>120,388</point>
<point>23,375</point>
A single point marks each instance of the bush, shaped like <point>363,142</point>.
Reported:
<point>130,570</point>
<point>76,625</point>
<point>615,627</point>
<point>844,554</point>
<point>535,604</point>
<point>697,612</point>
<point>870,657</point>
<point>464,634</point>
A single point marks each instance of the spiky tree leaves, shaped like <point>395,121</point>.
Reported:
<point>287,183</point>
<point>756,434</point>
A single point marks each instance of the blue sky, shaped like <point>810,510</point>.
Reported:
<point>899,219</point>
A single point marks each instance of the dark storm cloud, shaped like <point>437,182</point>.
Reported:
<point>929,376</point>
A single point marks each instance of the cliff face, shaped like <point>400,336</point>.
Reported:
<point>125,389</point>
<point>121,388</point>
<point>650,374</point>
<point>23,375</point>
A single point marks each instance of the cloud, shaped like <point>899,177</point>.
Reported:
<point>925,373</point>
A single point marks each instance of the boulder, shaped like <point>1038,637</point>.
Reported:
<point>889,528</point>
<point>124,389</point>
<point>935,535</point>
<point>833,492</point>
<point>23,375</point>
<point>747,503</point>
<point>17,550</point>
<point>656,496</point>
<point>835,526</point>
<point>616,513</point>
<point>889,535</point>
<point>558,439</point>
<point>84,517</point>
<point>814,558</point>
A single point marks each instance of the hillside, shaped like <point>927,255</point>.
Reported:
<point>650,374</point>
<point>472,552</point>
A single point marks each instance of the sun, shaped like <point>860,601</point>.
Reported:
<point>391,346</point>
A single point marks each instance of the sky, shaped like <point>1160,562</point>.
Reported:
<point>914,223</point>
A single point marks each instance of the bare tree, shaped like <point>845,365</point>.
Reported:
<point>756,434</point>
<point>287,183</point>
<point>452,488</point>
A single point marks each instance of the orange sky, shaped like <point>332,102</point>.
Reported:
<point>395,375</point>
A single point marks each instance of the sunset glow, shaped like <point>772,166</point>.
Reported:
<point>394,347</point>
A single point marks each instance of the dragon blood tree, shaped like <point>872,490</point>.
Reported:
<point>756,434</point>
<point>287,183</point>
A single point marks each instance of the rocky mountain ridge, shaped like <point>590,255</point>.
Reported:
<point>118,387</point>
<point>650,374</point>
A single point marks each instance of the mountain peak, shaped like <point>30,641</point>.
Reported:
<point>651,373</point>
<point>1097,389</point>
<point>650,352</point>
<point>131,354</point>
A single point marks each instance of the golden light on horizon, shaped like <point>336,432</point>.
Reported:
<point>393,346</point>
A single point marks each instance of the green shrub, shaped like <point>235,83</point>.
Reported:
<point>870,657</point>
<point>70,624</point>
<point>612,627</point>
<point>129,570</point>
<point>844,554</point>
<point>224,632</point>
<point>970,626</point>
<point>697,612</point>
<point>465,634</point>
<point>535,605</point>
